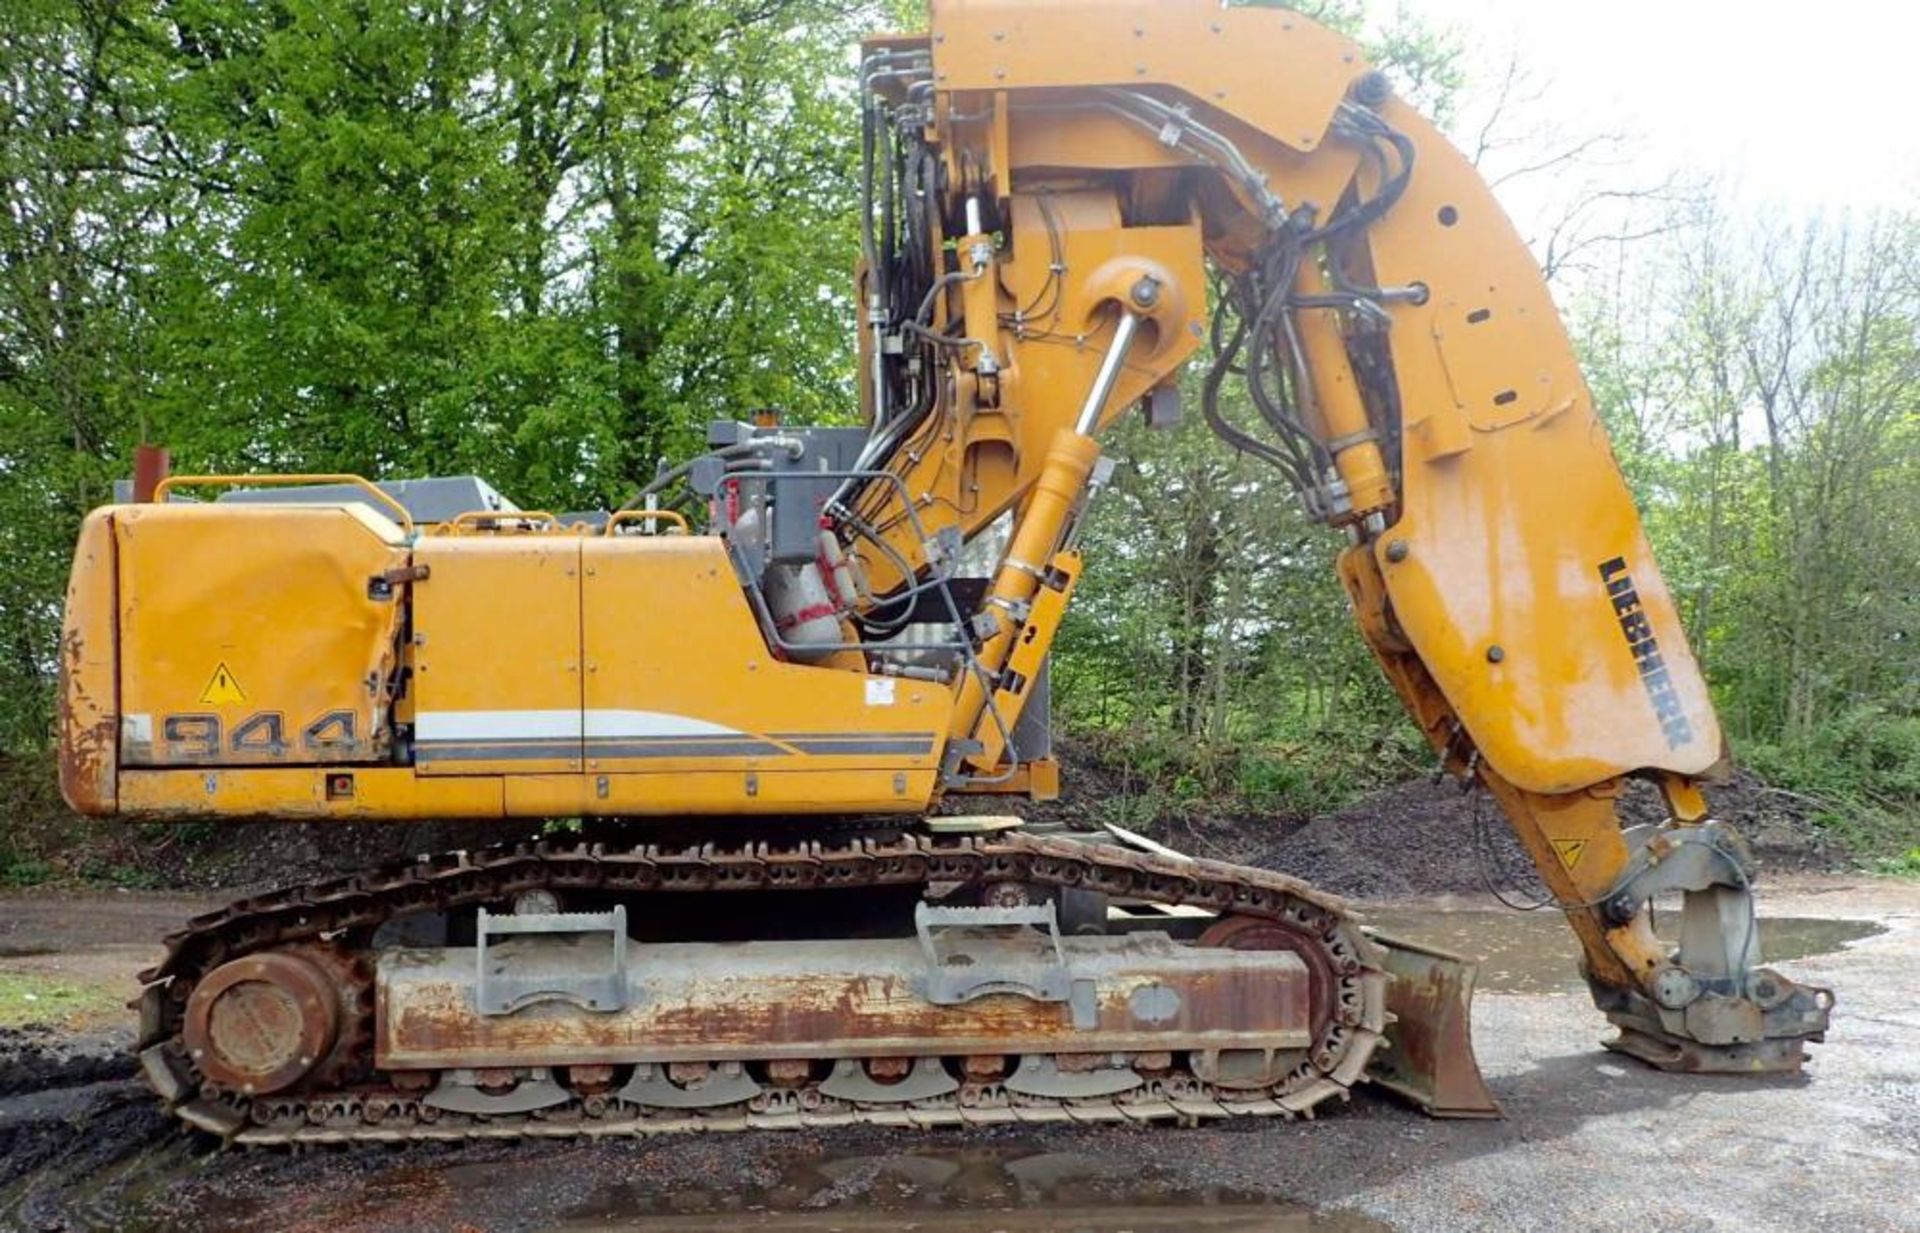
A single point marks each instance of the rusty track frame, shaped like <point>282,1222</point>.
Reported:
<point>379,1111</point>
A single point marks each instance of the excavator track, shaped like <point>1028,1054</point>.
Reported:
<point>347,1100</point>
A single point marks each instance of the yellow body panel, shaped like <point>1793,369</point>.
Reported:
<point>633,657</point>
<point>678,677</point>
<point>375,793</point>
<point>496,654</point>
<point>1287,89</point>
<point>90,674</point>
<point>397,793</point>
<point>248,633</point>
<point>797,786</point>
<point>550,675</point>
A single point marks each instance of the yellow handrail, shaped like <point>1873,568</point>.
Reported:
<point>648,515</point>
<point>168,484</point>
<point>534,518</point>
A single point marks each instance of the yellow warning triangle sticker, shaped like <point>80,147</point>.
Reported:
<point>222,688</point>
<point>1570,851</point>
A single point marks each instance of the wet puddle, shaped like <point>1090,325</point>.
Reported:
<point>980,1190</point>
<point>739,1185</point>
<point>1535,952</point>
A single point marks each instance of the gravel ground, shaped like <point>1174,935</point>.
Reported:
<point>1591,1141</point>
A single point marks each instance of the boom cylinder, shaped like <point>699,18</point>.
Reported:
<point>1038,534</point>
<point>1036,537</point>
<point>1109,374</point>
<point>1350,436</point>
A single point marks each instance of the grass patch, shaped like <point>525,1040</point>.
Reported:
<point>1137,780</point>
<point>1905,865</point>
<point>121,877</point>
<point>19,871</point>
<point>58,1001</point>
<point>1860,773</point>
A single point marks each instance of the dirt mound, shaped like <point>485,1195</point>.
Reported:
<point>1416,839</point>
<point>1424,838</point>
<point>263,855</point>
<point>1410,839</point>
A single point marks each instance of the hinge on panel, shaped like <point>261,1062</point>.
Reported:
<point>381,585</point>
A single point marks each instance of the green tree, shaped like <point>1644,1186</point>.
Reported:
<point>1760,379</point>
<point>539,240</point>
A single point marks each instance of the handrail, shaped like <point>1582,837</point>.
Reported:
<point>167,485</point>
<point>673,516</point>
<point>534,518</point>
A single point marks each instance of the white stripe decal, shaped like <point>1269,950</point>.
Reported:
<point>652,723</point>
<point>548,725</point>
<point>492,725</point>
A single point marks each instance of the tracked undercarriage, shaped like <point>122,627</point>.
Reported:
<point>292,1018</point>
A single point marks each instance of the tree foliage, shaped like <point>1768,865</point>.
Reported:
<point>1762,381</point>
<point>542,241</point>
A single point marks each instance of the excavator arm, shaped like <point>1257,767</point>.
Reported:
<point>1066,202</point>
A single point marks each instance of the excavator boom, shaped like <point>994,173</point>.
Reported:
<point>1066,204</point>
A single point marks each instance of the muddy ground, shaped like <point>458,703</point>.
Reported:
<point>1590,1142</point>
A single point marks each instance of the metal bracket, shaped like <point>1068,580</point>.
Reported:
<point>1163,407</point>
<point>1684,858</point>
<point>961,968</point>
<point>1710,865</point>
<point>942,550</point>
<point>381,586</point>
<point>564,967</point>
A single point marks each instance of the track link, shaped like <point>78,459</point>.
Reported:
<point>1346,967</point>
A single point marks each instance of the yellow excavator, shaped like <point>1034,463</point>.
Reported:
<point>1064,204</point>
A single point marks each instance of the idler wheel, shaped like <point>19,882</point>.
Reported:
<point>260,1024</point>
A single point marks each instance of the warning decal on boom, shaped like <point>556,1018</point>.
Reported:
<point>1570,851</point>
